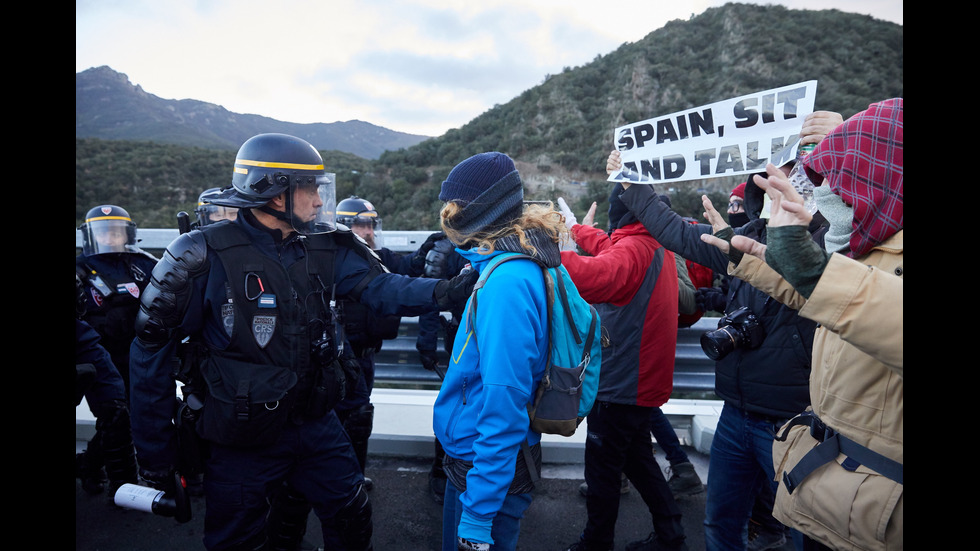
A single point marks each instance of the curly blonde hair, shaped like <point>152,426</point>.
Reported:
<point>543,217</point>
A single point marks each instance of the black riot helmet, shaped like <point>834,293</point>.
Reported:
<point>108,229</point>
<point>208,213</point>
<point>270,164</point>
<point>362,218</point>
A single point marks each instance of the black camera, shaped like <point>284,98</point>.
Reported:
<point>740,329</point>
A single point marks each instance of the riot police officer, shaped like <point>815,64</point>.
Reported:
<point>208,213</point>
<point>113,273</point>
<point>366,331</point>
<point>261,293</point>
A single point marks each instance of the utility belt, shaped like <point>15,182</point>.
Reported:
<point>248,405</point>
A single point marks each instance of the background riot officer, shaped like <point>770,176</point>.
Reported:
<point>262,295</point>
<point>208,213</point>
<point>112,272</point>
<point>366,333</point>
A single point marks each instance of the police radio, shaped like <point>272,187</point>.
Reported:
<point>176,504</point>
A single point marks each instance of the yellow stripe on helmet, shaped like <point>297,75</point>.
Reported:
<point>266,164</point>
<point>101,218</point>
<point>352,213</point>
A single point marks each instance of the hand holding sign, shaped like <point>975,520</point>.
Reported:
<point>818,124</point>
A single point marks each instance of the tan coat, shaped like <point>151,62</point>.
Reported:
<point>856,387</point>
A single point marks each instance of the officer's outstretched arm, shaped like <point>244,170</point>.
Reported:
<point>165,299</point>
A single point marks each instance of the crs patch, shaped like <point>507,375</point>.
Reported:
<point>96,297</point>
<point>262,329</point>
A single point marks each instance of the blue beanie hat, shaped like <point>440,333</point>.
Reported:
<point>475,175</point>
<point>489,189</point>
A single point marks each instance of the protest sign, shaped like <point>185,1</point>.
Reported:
<point>727,138</point>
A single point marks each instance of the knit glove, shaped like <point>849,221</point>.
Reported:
<point>791,251</point>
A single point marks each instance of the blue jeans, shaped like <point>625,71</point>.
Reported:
<point>506,525</point>
<point>740,462</point>
<point>663,433</point>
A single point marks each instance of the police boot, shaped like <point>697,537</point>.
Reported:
<point>288,515</point>
<point>90,473</point>
<point>117,446</point>
<point>351,528</point>
<point>359,424</point>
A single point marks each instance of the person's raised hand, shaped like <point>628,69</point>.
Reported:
<point>589,219</point>
<point>787,207</point>
<point>818,124</point>
<point>614,162</point>
<point>717,224</point>
<point>567,214</point>
<point>712,215</point>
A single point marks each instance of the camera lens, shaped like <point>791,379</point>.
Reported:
<point>718,343</point>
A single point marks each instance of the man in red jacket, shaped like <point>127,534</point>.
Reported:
<point>632,281</point>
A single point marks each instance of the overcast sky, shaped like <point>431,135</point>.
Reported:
<point>417,66</point>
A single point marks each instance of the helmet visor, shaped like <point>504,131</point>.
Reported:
<point>314,204</point>
<point>209,214</point>
<point>109,236</point>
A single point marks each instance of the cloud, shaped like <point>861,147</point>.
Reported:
<point>419,66</point>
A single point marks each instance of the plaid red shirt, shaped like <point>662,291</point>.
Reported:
<point>862,162</point>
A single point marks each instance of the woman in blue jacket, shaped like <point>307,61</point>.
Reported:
<point>480,416</point>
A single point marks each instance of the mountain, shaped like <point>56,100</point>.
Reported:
<point>560,132</point>
<point>108,106</point>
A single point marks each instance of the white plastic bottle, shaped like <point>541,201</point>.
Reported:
<point>800,181</point>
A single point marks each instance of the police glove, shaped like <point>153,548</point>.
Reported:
<point>711,298</point>
<point>436,261</point>
<point>418,260</point>
<point>467,545</point>
<point>450,293</point>
<point>430,360</point>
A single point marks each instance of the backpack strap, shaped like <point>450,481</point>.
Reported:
<point>497,261</point>
<point>832,444</point>
<point>494,262</point>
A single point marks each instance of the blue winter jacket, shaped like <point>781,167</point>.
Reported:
<point>480,414</point>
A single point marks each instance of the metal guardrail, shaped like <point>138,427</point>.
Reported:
<point>155,240</point>
<point>398,361</point>
<point>398,365</point>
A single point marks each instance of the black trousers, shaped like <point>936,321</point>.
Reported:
<point>618,441</point>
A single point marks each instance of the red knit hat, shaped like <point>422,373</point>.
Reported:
<point>739,191</point>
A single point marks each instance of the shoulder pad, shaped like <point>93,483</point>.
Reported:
<point>165,298</point>
<point>189,253</point>
<point>351,240</point>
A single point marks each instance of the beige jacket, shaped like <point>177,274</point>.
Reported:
<point>856,387</point>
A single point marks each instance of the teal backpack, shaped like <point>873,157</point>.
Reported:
<point>571,379</point>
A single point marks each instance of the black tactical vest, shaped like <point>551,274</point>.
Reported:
<point>274,314</point>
